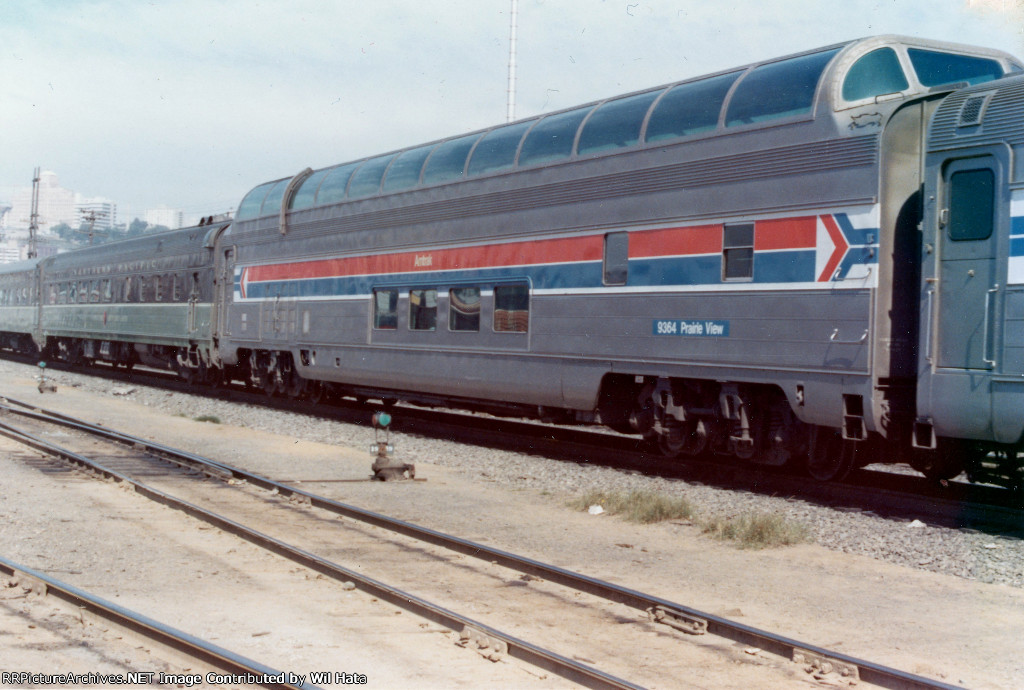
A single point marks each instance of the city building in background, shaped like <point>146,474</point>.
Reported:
<point>56,205</point>
<point>170,218</point>
<point>99,212</point>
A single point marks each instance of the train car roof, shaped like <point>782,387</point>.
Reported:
<point>147,246</point>
<point>843,81</point>
<point>19,266</point>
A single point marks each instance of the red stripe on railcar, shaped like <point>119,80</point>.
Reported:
<point>786,233</point>
<point>700,239</point>
<point>563,250</point>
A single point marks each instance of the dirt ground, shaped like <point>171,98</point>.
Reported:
<point>954,630</point>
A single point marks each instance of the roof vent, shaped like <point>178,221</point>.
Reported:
<point>971,111</point>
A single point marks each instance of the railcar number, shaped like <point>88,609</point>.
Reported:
<point>687,327</point>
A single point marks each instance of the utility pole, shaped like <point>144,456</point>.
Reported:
<point>511,115</point>
<point>91,217</point>
<point>33,223</point>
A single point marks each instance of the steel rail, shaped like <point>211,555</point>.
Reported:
<point>514,647</point>
<point>210,654</point>
<point>659,609</point>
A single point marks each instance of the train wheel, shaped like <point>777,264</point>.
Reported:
<point>317,391</point>
<point>215,377</point>
<point>294,385</point>
<point>187,374</point>
<point>669,446</point>
<point>77,356</point>
<point>688,439</point>
<point>270,384</point>
<point>831,457</point>
<point>945,462</point>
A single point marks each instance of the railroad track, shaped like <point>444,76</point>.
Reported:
<point>653,611</point>
<point>955,504</point>
<point>225,667</point>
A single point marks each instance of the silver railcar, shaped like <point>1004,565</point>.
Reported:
<point>818,257</point>
<point>732,262</point>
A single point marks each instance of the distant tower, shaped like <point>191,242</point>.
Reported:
<point>512,61</point>
<point>33,222</point>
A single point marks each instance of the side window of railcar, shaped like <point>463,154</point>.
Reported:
<point>128,289</point>
<point>464,309</point>
<point>448,161</point>
<point>305,195</point>
<point>497,149</point>
<point>689,108</point>
<point>176,288</point>
<point>366,180</point>
<point>253,201</point>
<point>334,185</point>
<point>616,258</point>
<point>272,202</point>
<point>778,89</point>
<point>552,138</point>
<point>971,204</point>
<point>107,293</point>
<point>423,310</point>
<point>879,72</point>
<point>738,252</point>
<point>385,309</point>
<point>615,124</point>
<point>511,308</point>
<point>405,171</point>
<point>158,289</point>
<point>935,67</point>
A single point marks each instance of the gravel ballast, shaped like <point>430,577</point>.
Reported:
<point>912,543</point>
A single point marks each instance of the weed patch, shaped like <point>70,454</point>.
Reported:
<point>637,506</point>
<point>757,530</point>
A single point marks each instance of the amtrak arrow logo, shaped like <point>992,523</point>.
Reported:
<point>829,233</point>
<point>243,282</point>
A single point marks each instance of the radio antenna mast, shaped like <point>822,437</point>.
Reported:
<point>33,223</point>
<point>512,61</point>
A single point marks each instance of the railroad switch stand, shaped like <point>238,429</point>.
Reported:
<point>45,386</point>
<point>385,467</point>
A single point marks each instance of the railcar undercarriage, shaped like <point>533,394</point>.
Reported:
<point>678,417</point>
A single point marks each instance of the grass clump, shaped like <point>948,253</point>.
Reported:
<point>757,530</point>
<point>644,507</point>
<point>212,419</point>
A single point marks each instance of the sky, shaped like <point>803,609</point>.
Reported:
<point>191,103</point>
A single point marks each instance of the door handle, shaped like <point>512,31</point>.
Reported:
<point>928,327</point>
<point>984,343</point>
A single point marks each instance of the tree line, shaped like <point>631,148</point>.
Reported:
<point>81,234</point>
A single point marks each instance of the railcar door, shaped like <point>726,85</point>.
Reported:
<point>969,285</point>
<point>963,298</point>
